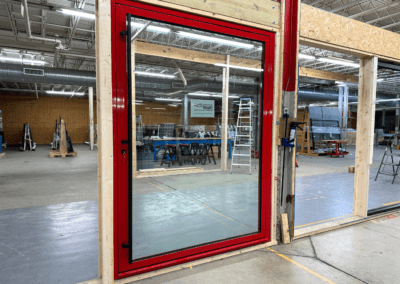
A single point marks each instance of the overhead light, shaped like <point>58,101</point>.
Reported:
<point>380,80</point>
<point>173,105</point>
<point>306,56</point>
<point>199,95</point>
<point>65,93</point>
<point>231,97</point>
<point>159,108</point>
<point>23,60</point>
<point>217,40</point>
<point>138,101</point>
<point>151,27</point>
<point>339,62</point>
<point>167,99</point>
<point>387,100</point>
<point>154,74</point>
<point>239,67</point>
<point>78,14</point>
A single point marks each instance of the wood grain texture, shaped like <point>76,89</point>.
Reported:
<point>326,75</point>
<point>344,34</point>
<point>285,229</point>
<point>256,13</point>
<point>365,134</point>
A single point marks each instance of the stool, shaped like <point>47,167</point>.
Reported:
<point>170,156</point>
<point>208,148</point>
<point>185,154</point>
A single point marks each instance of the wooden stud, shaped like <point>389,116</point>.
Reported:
<point>365,134</point>
<point>326,75</point>
<point>225,111</point>
<point>105,139</point>
<point>285,229</point>
<point>352,169</point>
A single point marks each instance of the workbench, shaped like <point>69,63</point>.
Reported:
<point>175,141</point>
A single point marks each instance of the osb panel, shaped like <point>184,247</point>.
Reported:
<point>319,74</point>
<point>264,12</point>
<point>42,114</point>
<point>321,26</point>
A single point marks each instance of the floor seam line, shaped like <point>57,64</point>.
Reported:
<point>330,265</point>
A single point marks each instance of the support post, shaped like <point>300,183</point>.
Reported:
<point>91,122</point>
<point>105,141</point>
<point>340,106</point>
<point>365,133</point>
<point>186,112</point>
<point>396,128</point>
<point>345,112</point>
<point>225,106</point>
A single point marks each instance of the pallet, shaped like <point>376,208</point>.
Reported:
<point>63,155</point>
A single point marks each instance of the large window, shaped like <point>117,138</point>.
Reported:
<point>191,99</point>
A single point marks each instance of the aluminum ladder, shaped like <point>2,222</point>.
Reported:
<point>241,154</point>
<point>389,155</point>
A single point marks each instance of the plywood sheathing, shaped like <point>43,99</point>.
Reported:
<point>256,13</point>
<point>42,114</point>
<point>333,32</point>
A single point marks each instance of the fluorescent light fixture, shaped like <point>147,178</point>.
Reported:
<point>380,80</point>
<point>154,74</point>
<point>173,105</point>
<point>217,40</point>
<point>78,14</point>
<point>23,60</point>
<point>151,27</point>
<point>167,99</point>
<point>306,56</point>
<point>339,62</point>
<point>239,67</point>
<point>200,95</point>
<point>159,108</point>
<point>138,101</point>
<point>387,100</point>
<point>65,93</point>
<point>231,97</point>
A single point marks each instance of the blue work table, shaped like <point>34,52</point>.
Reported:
<point>174,141</point>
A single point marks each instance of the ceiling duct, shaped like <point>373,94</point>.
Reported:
<point>46,75</point>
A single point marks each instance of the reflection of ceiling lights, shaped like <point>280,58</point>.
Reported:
<point>239,67</point>
<point>173,105</point>
<point>151,27</point>
<point>380,80</point>
<point>339,62</point>
<point>231,97</point>
<point>217,40</point>
<point>23,60</point>
<point>154,74</point>
<point>306,56</point>
<point>199,95</point>
<point>167,99</point>
<point>65,93</point>
<point>78,14</point>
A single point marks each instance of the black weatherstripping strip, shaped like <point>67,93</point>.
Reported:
<point>383,209</point>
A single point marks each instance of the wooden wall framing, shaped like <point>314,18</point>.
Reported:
<point>317,28</point>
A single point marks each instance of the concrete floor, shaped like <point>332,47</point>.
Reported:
<point>48,225</point>
<point>324,187</point>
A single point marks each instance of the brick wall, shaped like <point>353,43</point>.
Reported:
<point>41,114</point>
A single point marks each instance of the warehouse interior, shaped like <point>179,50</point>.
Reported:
<point>188,187</point>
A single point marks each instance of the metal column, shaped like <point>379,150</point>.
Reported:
<point>186,112</point>
<point>91,123</point>
<point>345,112</point>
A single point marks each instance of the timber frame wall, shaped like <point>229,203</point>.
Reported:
<point>317,28</point>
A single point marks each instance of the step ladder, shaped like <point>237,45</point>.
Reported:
<point>27,141</point>
<point>389,155</point>
<point>241,154</point>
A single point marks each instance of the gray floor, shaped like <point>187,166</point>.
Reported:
<point>48,223</point>
<point>324,187</point>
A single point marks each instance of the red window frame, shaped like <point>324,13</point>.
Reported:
<point>119,9</point>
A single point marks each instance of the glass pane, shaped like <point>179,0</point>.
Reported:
<point>189,125</point>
